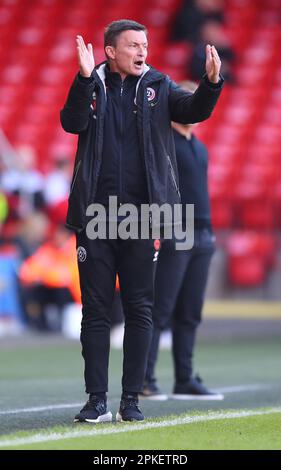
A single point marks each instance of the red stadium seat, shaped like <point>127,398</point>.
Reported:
<point>246,272</point>
<point>250,255</point>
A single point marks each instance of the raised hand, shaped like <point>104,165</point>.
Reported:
<point>213,64</point>
<point>85,57</point>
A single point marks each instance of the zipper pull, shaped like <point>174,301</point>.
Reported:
<point>121,90</point>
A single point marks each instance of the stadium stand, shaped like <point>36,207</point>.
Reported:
<point>38,63</point>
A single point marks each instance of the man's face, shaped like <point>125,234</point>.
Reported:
<point>129,55</point>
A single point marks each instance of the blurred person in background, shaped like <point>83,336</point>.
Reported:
<point>4,208</point>
<point>49,279</point>
<point>212,32</point>
<point>57,181</point>
<point>181,276</point>
<point>121,111</point>
<point>201,22</point>
<point>23,184</point>
<point>30,233</point>
<point>193,15</point>
<point>11,313</point>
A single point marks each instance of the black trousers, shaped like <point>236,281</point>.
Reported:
<point>180,284</point>
<point>98,262</point>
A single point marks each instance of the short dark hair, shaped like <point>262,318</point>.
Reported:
<point>114,29</point>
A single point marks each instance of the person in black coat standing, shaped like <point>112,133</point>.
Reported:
<point>121,110</point>
<point>181,276</point>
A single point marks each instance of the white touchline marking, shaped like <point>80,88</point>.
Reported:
<point>119,428</point>
<point>243,388</point>
<point>40,408</point>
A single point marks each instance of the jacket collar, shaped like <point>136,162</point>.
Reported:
<point>149,74</point>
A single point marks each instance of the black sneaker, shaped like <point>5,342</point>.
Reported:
<point>151,391</point>
<point>95,411</point>
<point>129,410</point>
<point>194,389</point>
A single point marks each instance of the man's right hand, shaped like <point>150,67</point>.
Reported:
<point>85,57</point>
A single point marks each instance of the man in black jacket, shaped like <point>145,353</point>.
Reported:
<point>181,276</point>
<point>122,110</point>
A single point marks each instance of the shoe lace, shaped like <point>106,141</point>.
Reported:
<point>131,403</point>
<point>94,403</point>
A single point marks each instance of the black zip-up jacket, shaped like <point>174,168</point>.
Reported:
<point>122,171</point>
<point>159,101</point>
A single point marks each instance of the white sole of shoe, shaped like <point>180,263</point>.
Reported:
<point>119,418</point>
<point>178,396</point>
<point>106,418</point>
<point>160,397</point>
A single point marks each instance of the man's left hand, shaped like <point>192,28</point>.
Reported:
<point>213,64</point>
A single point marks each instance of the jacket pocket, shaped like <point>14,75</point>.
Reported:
<point>75,174</point>
<point>173,175</point>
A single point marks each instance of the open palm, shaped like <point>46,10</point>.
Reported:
<point>213,64</point>
<point>85,57</point>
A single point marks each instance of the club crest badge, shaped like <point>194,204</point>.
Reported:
<point>81,254</point>
<point>150,93</point>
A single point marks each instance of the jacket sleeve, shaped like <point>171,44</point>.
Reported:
<point>188,108</point>
<point>76,112</point>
